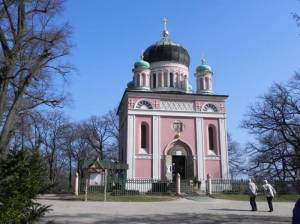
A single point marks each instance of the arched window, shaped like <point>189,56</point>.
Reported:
<point>201,83</point>
<point>211,138</point>
<point>207,83</point>
<point>165,79</point>
<point>143,136</point>
<point>138,79</point>
<point>154,80</point>
<point>209,107</point>
<point>143,104</point>
<point>159,80</point>
<point>171,79</point>
<point>144,79</point>
<point>178,80</point>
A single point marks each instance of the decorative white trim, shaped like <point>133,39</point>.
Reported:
<point>155,146</point>
<point>174,113</point>
<point>179,97</point>
<point>212,158</point>
<point>142,156</point>
<point>130,146</point>
<point>224,151</point>
<point>168,65</point>
<point>200,149</point>
<point>177,106</point>
<point>211,152</point>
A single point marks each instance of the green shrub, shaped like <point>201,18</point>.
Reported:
<point>22,177</point>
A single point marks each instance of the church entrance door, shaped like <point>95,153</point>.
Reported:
<point>179,160</point>
<point>178,166</point>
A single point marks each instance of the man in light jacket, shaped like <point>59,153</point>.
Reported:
<point>252,191</point>
<point>269,193</point>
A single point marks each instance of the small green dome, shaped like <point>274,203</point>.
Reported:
<point>204,67</point>
<point>142,64</point>
<point>130,84</point>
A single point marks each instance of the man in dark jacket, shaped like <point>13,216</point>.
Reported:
<point>296,210</point>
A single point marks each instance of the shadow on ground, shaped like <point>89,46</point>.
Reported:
<point>174,218</point>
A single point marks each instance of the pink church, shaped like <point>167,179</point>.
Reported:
<point>167,128</point>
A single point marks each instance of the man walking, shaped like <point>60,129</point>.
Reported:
<point>252,191</point>
<point>270,193</point>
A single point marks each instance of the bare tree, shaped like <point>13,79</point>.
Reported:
<point>271,157</point>
<point>236,157</point>
<point>97,132</point>
<point>26,133</point>
<point>81,149</point>
<point>54,127</point>
<point>112,149</point>
<point>31,46</point>
<point>275,122</point>
<point>76,149</point>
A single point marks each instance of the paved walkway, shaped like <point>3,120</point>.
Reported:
<point>178,211</point>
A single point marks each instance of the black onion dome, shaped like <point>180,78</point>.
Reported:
<point>166,50</point>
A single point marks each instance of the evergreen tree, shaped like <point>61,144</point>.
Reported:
<point>22,177</point>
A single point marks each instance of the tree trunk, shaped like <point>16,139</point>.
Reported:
<point>70,173</point>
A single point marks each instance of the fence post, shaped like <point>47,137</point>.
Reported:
<point>76,184</point>
<point>178,184</point>
<point>105,183</point>
<point>192,185</point>
<point>208,185</point>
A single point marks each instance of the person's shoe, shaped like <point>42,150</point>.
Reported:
<point>270,210</point>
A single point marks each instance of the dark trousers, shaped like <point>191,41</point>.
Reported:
<point>253,203</point>
<point>269,199</point>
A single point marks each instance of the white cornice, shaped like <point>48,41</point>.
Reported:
<point>176,114</point>
<point>167,64</point>
<point>176,96</point>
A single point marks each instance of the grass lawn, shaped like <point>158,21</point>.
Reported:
<point>245,197</point>
<point>125,198</point>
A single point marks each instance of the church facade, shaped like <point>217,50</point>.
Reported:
<point>167,128</point>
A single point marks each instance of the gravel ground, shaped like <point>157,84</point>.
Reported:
<point>194,210</point>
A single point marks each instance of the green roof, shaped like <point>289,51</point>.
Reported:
<point>142,64</point>
<point>105,164</point>
<point>130,84</point>
<point>203,67</point>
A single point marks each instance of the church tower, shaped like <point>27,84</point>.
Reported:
<point>167,128</point>
<point>204,78</point>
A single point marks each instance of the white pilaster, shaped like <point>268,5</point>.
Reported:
<point>168,79</point>
<point>130,146</point>
<point>224,148</point>
<point>200,149</point>
<point>161,76</point>
<point>156,147</point>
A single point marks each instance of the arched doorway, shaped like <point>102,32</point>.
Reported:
<point>179,160</point>
<point>179,157</point>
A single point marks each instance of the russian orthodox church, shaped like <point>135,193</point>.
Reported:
<point>167,128</point>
